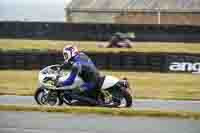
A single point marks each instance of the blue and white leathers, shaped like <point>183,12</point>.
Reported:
<point>82,66</point>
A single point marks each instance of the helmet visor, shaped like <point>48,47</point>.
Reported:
<point>65,56</point>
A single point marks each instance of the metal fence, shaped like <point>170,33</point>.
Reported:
<point>134,16</point>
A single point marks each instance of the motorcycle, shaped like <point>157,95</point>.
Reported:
<point>112,92</point>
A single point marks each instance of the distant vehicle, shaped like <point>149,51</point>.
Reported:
<point>113,92</point>
<point>120,40</point>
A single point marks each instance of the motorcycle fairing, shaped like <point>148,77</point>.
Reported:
<point>109,81</point>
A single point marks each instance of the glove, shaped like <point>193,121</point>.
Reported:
<point>78,90</point>
<point>61,67</point>
<point>58,84</point>
<point>65,65</point>
<point>83,89</point>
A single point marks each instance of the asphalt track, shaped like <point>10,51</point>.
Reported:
<point>170,105</point>
<point>37,122</point>
<point>41,122</point>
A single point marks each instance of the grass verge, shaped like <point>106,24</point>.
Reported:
<point>45,45</point>
<point>103,111</point>
<point>144,84</point>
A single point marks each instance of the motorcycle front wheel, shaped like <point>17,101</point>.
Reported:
<point>41,97</point>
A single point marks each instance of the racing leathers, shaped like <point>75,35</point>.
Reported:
<point>82,66</point>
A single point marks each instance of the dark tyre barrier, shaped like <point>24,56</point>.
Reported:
<point>98,32</point>
<point>131,61</point>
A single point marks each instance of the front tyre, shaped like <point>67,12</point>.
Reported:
<point>41,97</point>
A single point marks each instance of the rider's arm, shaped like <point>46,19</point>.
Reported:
<point>75,70</point>
<point>87,86</point>
<point>64,65</point>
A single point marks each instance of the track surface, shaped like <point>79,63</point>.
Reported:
<point>137,104</point>
<point>37,122</point>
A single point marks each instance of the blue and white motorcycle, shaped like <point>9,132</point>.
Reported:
<point>112,92</point>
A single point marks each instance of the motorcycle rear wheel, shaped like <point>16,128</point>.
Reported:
<point>124,99</point>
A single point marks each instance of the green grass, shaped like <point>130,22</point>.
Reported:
<point>144,84</point>
<point>103,111</point>
<point>17,44</point>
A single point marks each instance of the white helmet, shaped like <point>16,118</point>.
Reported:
<point>69,51</point>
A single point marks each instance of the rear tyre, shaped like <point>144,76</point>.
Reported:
<point>128,98</point>
<point>123,98</point>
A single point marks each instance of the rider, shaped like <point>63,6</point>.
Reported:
<point>82,66</point>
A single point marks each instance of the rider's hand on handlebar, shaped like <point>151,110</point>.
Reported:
<point>58,84</point>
